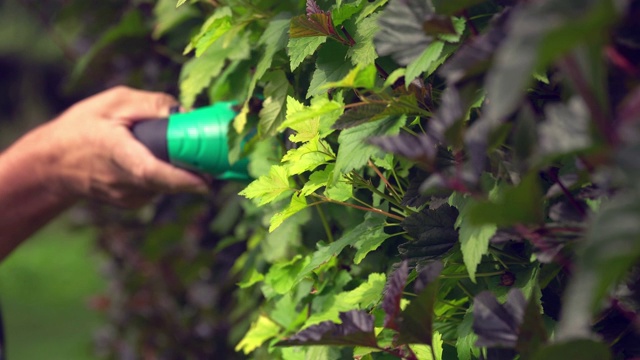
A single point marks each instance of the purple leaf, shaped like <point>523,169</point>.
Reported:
<point>416,321</point>
<point>421,148</point>
<point>313,8</point>
<point>393,295</point>
<point>497,325</point>
<point>356,330</point>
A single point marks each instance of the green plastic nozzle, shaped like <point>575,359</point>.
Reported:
<point>195,140</point>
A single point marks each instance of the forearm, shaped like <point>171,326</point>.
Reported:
<point>28,194</point>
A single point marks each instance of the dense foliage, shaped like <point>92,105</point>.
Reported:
<point>434,180</point>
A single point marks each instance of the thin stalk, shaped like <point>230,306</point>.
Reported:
<point>325,223</point>
<point>466,276</point>
<point>374,210</point>
<point>570,66</point>
<point>568,194</point>
<point>385,180</point>
<point>470,23</point>
<point>464,289</point>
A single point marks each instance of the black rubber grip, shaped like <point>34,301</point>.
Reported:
<point>153,134</point>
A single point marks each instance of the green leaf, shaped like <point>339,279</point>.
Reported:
<point>355,151</point>
<point>582,349</point>
<point>180,2</point>
<point>369,9</point>
<point>253,278</point>
<point>466,339</point>
<point>521,204</point>
<point>317,179</point>
<point>198,72</point>
<point>371,239</point>
<point>330,67</point>
<point>313,120</point>
<point>261,330</point>
<point>339,190</point>
<point>424,61</point>
<point>298,202</point>
<point>273,39</point>
<point>167,17</point>
<point>300,48</point>
<point>213,30</point>
<point>474,237</point>
<point>281,276</point>
<point>327,252</point>
<point>307,157</point>
<point>274,108</point>
<point>268,188</point>
<point>362,297</point>
<point>423,352</point>
<point>364,51</point>
<point>358,77</point>
<point>344,12</point>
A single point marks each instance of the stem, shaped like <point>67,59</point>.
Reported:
<point>385,180</point>
<point>325,223</point>
<point>464,289</point>
<point>570,66</point>
<point>373,189</point>
<point>568,194</point>
<point>473,28</point>
<point>346,33</point>
<point>466,276</point>
<point>374,210</point>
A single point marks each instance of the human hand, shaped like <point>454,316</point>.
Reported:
<point>89,151</point>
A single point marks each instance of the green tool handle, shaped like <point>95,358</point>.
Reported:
<point>196,140</point>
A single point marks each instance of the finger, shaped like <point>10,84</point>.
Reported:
<point>165,177</point>
<point>131,105</point>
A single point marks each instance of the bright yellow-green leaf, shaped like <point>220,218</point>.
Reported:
<point>309,156</point>
<point>208,29</point>
<point>281,276</point>
<point>317,179</point>
<point>359,77</point>
<point>323,110</point>
<point>298,202</point>
<point>261,330</point>
<point>180,2</point>
<point>269,187</point>
<point>253,278</point>
<point>362,297</point>
<point>423,352</point>
<point>339,190</point>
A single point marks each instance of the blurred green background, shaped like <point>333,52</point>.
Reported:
<point>45,290</point>
<point>46,285</point>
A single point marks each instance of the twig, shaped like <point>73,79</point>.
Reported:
<point>385,180</point>
<point>470,23</point>
<point>571,67</point>
<point>567,193</point>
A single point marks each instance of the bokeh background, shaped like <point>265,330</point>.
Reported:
<point>57,290</point>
